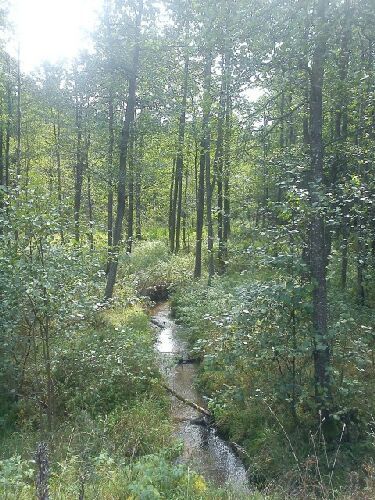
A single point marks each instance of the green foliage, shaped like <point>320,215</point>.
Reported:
<point>99,370</point>
<point>151,478</point>
<point>151,264</point>
<point>253,333</point>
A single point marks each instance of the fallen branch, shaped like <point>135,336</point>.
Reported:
<point>188,361</point>
<point>202,421</point>
<point>157,323</point>
<point>186,401</point>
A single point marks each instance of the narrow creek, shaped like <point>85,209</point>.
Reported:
<point>204,451</point>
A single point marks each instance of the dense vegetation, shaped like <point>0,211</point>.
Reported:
<point>224,150</point>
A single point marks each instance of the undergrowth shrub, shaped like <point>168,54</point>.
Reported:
<point>99,370</point>
<point>152,264</point>
<point>253,332</point>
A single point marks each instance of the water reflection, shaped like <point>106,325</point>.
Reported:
<point>204,451</point>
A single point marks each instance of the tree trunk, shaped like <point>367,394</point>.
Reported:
<point>219,169</point>
<point>341,136</point>
<point>227,163</point>
<point>78,179</point>
<point>128,122</point>
<point>2,166</point>
<point>8,133</point>
<point>322,355</point>
<point>57,136</point>
<point>185,237</point>
<point>111,142</point>
<point>180,155</point>
<point>18,124</point>
<point>138,191</point>
<point>130,214</point>
<point>204,148</point>
<point>209,190</point>
<point>90,213</point>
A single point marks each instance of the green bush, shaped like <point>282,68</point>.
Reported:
<point>152,264</point>
<point>99,370</point>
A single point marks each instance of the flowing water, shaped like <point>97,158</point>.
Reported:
<point>204,451</point>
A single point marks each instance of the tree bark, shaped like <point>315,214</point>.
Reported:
<point>79,167</point>
<point>138,191</point>
<point>130,214</point>
<point>322,354</point>
<point>180,155</point>
<point>204,148</point>
<point>227,159</point>
<point>8,131</point>
<point>57,139</point>
<point>111,142</point>
<point>128,122</point>
<point>219,168</point>
<point>18,123</point>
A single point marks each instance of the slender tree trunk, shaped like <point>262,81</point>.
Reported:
<point>2,166</point>
<point>180,155</point>
<point>172,209</point>
<point>344,252</point>
<point>128,122</point>
<point>209,190</point>
<point>57,139</point>
<point>322,355</point>
<point>185,212</point>
<point>90,205</point>
<point>78,179</point>
<point>8,133</point>
<point>341,136</point>
<point>227,164</point>
<point>18,123</point>
<point>138,205</point>
<point>361,259</point>
<point>90,213</point>
<point>204,147</point>
<point>111,142</point>
<point>138,190</point>
<point>130,214</point>
<point>219,168</point>
<point>227,141</point>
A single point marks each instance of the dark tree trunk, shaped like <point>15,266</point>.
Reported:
<point>2,166</point>
<point>204,148</point>
<point>227,164</point>
<point>78,178</point>
<point>209,190</point>
<point>361,259</point>
<point>185,214</point>
<point>90,205</point>
<point>172,209</point>
<point>322,355</point>
<point>177,181</point>
<point>130,214</point>
<point>138,192</point>
<point>341,136</point>
<point>111,142</point>
<point>219,169</point>
<point>8,133</point>
<point>128,122</point>
<point>90,213</point>
<point>180,155</point>
<point>18,124</point>
<point>57,139</point>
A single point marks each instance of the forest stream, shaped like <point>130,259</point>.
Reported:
<point>204,451</point>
